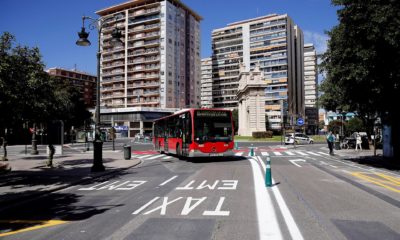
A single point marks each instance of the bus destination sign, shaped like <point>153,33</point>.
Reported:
<point>206,113</point>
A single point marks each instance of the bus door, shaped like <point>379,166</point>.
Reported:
<point>186,133</point>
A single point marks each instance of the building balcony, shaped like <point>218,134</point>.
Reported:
<point>144,85</point>
<point>144,12</point>
<point>112,80</point>
<point>111,89</point>
<point>112,65</point>
<point>144,19</point>
<point>112,96</point>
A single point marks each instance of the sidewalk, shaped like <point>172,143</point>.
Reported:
<point>366,157</point>
<point>30,177</point>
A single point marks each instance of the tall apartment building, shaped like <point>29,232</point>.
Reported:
<point>159,65</point>
<point>84,81</point>
<point>206,83</point>
<point>310,88</point>
<point>276,44</point>
<point>310,75</point>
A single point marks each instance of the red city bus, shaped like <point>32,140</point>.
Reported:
<point>195,133</point>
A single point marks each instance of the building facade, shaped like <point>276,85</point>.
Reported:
<point>274,42</point>
<point>251,102</point>
<point>84,81</point>
<point>206,83</point>
<point>310,75</point>
<point>310,88</point>
<point>159,64</point>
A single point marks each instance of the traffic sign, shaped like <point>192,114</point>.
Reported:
<point>300,121</point>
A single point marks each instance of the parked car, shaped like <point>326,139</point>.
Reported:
<point>299,138</point>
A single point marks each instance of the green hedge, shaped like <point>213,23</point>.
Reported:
<point>267,134</point>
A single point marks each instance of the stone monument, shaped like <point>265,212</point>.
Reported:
<point>251,101</point>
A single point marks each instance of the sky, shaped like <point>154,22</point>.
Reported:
<point>52,25</point>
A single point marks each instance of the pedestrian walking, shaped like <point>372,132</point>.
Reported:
<point>330,139</point>
<point>358,142</point>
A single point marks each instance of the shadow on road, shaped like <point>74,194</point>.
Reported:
<point>377,162</point>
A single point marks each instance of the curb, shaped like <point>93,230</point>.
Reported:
<point>11,203</point>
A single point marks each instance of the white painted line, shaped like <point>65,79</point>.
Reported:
<point>301,153</point>
<point>154,157</point>
<point>297,160</point>
<point>239,154</point>
<point>265,153</point>
<point>145,206</point>
<point>323,163</point>
<point>332,166</point>
<point>323,153</point>
<point>169,180</point>
<point>313,153</point>
<point>143,156</point>
<point>268,226</point>
<point>277,153</point>
<point>287,216</point>
<point>167,157</point>
<point>290,153</point>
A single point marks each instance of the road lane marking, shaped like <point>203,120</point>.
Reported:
<point>143,156</point>
<point>390,178</point>
<point>41,224</point>
<point>239,154</point>
<point>323,153</point>
<point>290,153</point>
<point>265,153</point>
<point>217,211</point>
<point>287,216</point>
<point>167,157</point>
<point>154,157</point>
<point>169,180</point>
<point>268,226</point>
<point>277,153</point>
<point>380,182</point>
<point>301,153</point>
<point>297,160</point>
<point>313,153</point>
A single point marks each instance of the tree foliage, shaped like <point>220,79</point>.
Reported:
<point>355,125</point>
<point>28,93</point>
<point>362,61</point>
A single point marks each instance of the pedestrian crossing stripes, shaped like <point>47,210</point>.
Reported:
<point>158,156</point>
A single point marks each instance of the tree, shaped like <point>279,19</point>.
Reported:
<point>335,126</point>
<point>25,90</point>
<point>28,93</point>
<point>362,63</point>
<point>354,125</point>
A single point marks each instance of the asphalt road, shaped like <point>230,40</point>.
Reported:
<point>314,196</point>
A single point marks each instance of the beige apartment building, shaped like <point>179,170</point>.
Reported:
<point>158,67</point>
<point>310,88</point>
<point>206,83</point>
<point>276,44</point>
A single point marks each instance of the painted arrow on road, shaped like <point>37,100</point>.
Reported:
<point>297,160</point>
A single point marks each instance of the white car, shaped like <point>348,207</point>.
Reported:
<point>299,138</point>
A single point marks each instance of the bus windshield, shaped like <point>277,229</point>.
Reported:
<point>212,126</point>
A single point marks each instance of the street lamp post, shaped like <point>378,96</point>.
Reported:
<point>83,41</point>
